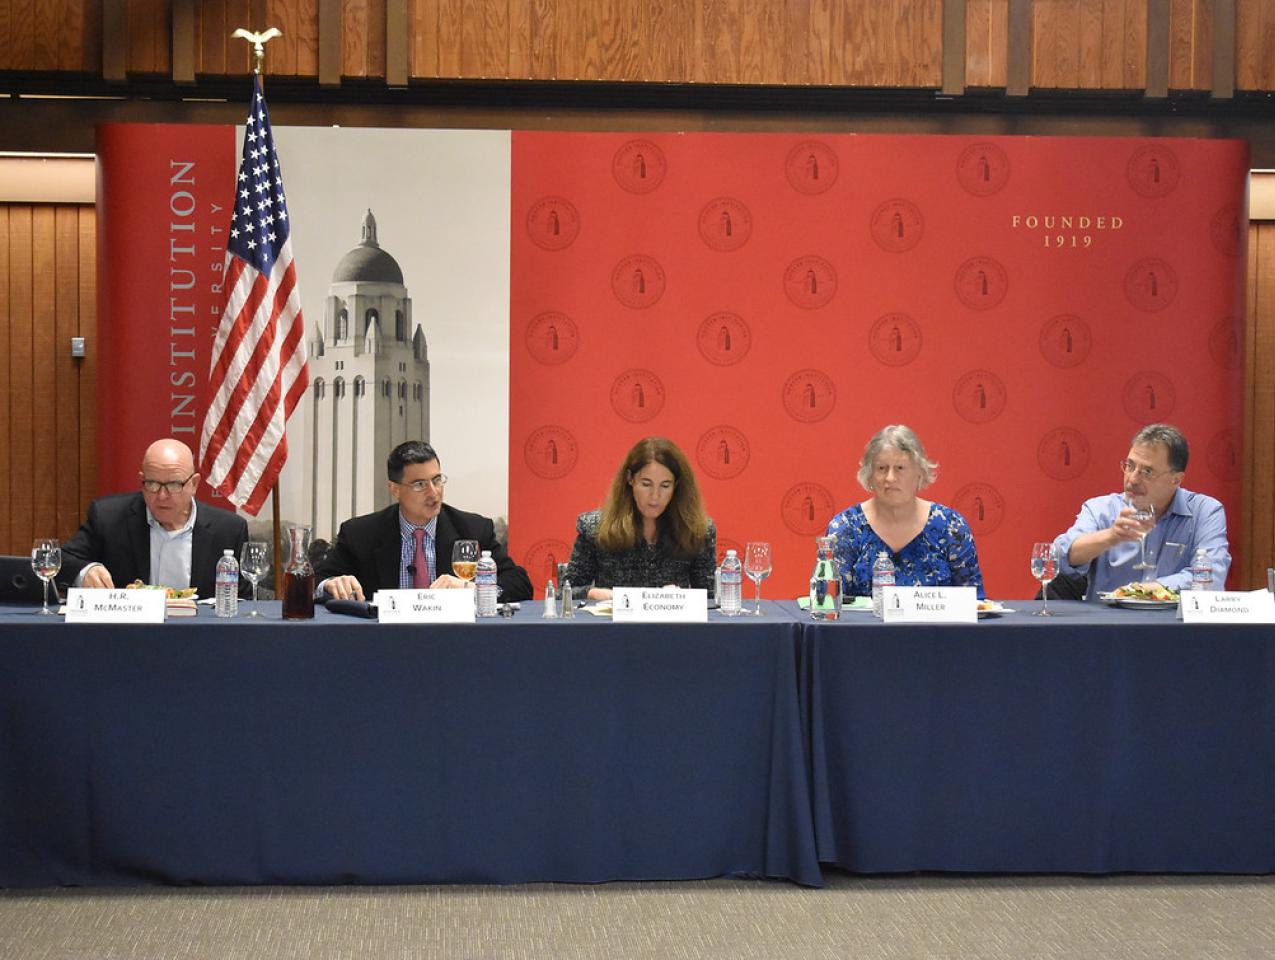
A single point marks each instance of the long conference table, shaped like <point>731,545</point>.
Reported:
<point>208,751</point>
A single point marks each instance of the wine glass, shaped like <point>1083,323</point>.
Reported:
<point>757,564</point>
<point>465,559</point>
<point>1044,565</point>
<point>1144,514</point>
<point>254,561</point>
<point>46,561</point>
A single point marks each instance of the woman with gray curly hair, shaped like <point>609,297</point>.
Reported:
<point>930,544</point>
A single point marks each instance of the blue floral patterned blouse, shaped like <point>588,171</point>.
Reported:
<point>941,555</point>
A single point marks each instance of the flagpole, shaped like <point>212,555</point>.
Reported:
<point>259,41</point>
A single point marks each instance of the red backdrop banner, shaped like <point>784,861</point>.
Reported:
<point>163,191</point>
<point>770,301</point>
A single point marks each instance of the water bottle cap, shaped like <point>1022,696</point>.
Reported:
<point>730,553</point>
<point>227,552</point>
<point>486,553</point>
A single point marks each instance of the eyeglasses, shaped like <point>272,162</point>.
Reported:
<point>438,481</point>
<point>172,486</point>
<point>1144,473</point>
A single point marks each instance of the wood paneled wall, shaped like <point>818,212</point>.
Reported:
<point>51,35</point>
<point>1090,45</point>
<point>48,290</point>
<point>1254,44</point>
<point>1259,410</point>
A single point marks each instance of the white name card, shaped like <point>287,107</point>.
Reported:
<point>929,605</point>
<point>425,606</point>
<point>662,605</point>
<point>116,606</point>
<point>1222,606</point>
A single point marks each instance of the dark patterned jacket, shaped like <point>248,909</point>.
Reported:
<point>640,566</point>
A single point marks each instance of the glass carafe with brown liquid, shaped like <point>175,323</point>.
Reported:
<point>298,577</point>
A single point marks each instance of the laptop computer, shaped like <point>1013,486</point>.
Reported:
<point>18,582</point>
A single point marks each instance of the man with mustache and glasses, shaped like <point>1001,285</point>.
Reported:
<point>1103,543</point>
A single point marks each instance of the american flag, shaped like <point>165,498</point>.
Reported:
<point>259,367</point>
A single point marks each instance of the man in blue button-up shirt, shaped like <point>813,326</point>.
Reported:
<point>1103,543</point>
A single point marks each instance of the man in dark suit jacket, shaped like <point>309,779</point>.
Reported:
<point>124,533</point>
<point>383,551</point>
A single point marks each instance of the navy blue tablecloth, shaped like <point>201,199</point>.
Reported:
<point>345,751</point>
<point>1101,740</point>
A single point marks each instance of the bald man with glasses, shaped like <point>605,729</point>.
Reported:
<point>1103,543</point>
<point>160,534</point>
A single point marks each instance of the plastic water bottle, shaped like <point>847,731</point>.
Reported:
<point>732,585</point>
<point>882,577</point>
<point>227,591</point>
<point>485,584</point>
<point>551,602</point>
<point>1201,571</point>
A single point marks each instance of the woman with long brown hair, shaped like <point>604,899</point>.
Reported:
<point>651,531</point>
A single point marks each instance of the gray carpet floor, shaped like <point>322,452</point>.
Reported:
<point>1129,918</point>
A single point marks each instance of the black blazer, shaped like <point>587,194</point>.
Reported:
<point>116,535</point>
<point>370,548</point>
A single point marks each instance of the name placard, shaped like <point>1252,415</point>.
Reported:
<point>1227,606</point>
<point>658,605</point>
<point>115,606</point>
<point>425,606</point>
<point>929,605</point>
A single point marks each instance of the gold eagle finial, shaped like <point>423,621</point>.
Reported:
<point>258,41</point>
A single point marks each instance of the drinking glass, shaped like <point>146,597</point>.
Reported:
<point>757,564</point>
<point>46,561</point>
<point>254,561</point>
<point>465,559</point>
<point>1143,515</point>
<point>1044,565</point>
